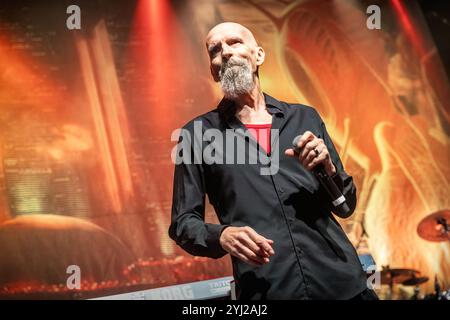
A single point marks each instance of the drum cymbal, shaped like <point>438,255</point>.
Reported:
<point>415,281</point>
<point>397,275</point>
<point>435,227</point>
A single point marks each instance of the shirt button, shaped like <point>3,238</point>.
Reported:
<point>281,190</point>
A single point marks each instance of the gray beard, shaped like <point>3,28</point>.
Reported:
<point>236,78</point>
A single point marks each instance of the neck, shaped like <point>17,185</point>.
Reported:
<point>251,107</point>
<point>253,99</point>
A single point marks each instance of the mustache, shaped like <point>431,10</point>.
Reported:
<point>233,62</point>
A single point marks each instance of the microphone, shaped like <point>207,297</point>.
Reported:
<point>337,198</point>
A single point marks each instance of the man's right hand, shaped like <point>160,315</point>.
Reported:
<point>247,245</point>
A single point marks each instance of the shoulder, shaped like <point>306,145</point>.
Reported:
<point>301,110</point>
<point>210,119</point>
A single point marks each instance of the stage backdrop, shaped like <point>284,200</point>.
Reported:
<point>86,118</point>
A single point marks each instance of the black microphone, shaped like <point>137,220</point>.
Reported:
<point>337,198</point>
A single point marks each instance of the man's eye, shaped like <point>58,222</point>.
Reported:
<point>214,50</point>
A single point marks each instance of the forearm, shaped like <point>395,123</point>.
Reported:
<point>196,236</point>
<point>343,181</point>
<point>345,184</point>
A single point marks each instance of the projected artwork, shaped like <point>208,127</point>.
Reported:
<point>86,118</point>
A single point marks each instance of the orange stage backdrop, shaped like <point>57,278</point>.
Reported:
<point>86,118</point>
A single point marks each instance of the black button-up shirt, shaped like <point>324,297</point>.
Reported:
<point>313,257</point>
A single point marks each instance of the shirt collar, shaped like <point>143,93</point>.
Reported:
<point>273,104</point>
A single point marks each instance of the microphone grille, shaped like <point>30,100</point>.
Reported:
<point>295,142</point>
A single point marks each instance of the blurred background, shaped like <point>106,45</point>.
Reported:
<point>86,118</point>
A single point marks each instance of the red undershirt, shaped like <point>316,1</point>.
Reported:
<point>261,132</point>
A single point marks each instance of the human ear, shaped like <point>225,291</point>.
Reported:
<point>260,56</point>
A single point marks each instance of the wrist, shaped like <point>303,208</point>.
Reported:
<point>221,237</point>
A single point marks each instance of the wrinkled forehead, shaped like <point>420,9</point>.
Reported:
<point>229,30</point>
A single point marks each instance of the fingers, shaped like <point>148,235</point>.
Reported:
<point>250,255</point>
<point>322,157</point>
<point>247,245</point>
<point>290,152</point>
<point>260,241</point>
<point>303,145</point>
<point>306,137</point>
<point>242,257</point>
<point>308,157</point>
<point>308,152</point>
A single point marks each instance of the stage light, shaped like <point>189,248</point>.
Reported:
<point>405,21</point>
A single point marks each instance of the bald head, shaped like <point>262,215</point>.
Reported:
<point>230,40</point>
<point>231,28</point>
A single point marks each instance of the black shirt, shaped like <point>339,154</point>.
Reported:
<point>313,257</point>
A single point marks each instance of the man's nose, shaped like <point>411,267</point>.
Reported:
<point>226,52</point>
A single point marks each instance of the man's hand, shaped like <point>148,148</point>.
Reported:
<point>313,152</point>
<point>247,245</point>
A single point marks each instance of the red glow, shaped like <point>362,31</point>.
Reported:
<point>410,31</point>
<point>161,55</point>
<point>22,79</point>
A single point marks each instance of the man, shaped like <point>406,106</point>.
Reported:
<point>278,228</point>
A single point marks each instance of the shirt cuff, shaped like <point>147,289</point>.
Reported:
<point>213,240</point>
